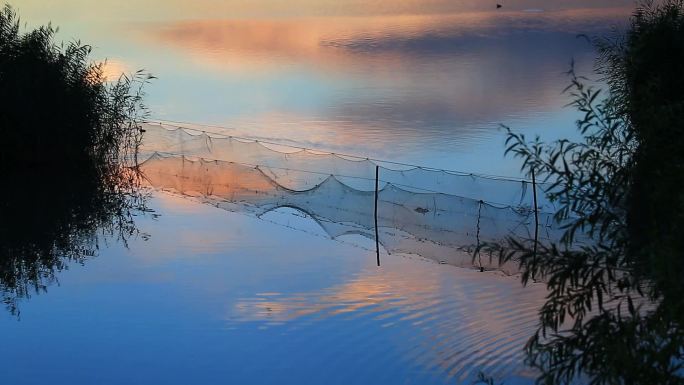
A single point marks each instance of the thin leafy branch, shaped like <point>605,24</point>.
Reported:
<point>614,312</point>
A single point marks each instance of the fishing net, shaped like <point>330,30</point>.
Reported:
<point>411,220</point>
<point>301,169</point>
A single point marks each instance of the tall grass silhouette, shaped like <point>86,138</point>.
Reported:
<point>68,157</point>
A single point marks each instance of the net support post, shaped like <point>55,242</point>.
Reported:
<point>377,241</point>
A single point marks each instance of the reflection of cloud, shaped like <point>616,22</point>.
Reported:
<point>463,320</point>
<point>174,9</point>
<point>242,44</point>
<point>410,74</point>
<point>372,291</point>
<point>194,179</point>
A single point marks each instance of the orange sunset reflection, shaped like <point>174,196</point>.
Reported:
<point>393,75</point>
<point>336,42</point>
<point>232,182</point>
<point>113,69</point>
<point>488,317</point>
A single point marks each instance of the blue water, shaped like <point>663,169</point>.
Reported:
<point>214,297</point>
<point>425,82</point>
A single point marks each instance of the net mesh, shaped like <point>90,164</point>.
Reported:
<point>436,214</point>
<point>300,169</point>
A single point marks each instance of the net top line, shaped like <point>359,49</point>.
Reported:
<point>347,157</point>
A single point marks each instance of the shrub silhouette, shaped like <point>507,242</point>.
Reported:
<point>68,158</point>
<point>615,311</point>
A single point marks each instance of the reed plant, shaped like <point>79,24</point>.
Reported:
<point>68,161</point>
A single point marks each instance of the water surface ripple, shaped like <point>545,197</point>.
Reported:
<point>448,321</point>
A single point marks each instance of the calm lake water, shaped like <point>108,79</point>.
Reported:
<point>220,297</point>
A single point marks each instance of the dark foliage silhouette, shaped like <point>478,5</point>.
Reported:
<point>614,313</point>
<point>68,159</point>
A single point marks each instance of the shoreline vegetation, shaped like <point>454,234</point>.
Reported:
<point>70,140</point>
<point>615,312</point>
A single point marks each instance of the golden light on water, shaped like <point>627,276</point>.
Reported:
<point>113,69</point>
<point>330,43</point>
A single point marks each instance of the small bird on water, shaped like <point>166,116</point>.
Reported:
<point>498,6</point>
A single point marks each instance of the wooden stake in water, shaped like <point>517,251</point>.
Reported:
<point>536,213</point>
<point>377,242</point>
<point>477,235</point>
